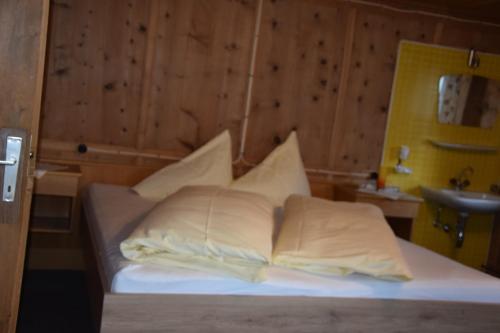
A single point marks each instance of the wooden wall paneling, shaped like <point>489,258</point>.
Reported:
<point>116,78</point>
<point>237,69</point>
<point>343,85</point>
<point>91,109</point>
<point>482,37</point>
<point>66,152</point>
<point>201,65</point>
<point>296,79</point>
<point>84,76</point>
<point>123,56</point>
<point>169,65</point>
<point>357,145</point>
<point>94,71</point>
<point>113,174</point>
<point>147,74</point>
<point>58,111</point>
<point>478,10</point>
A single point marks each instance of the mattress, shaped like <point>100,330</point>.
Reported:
<point>113,212</point>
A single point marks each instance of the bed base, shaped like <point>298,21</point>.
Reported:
<point>212,313</point>
<point>196,313</point>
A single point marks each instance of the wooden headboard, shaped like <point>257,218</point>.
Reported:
<point>129,175</point>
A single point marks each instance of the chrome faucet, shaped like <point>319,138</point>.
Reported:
<point>460,182</point>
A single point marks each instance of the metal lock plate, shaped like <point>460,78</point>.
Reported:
<point>11,163</point>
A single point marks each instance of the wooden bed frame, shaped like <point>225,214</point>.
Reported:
<point>214,313</point>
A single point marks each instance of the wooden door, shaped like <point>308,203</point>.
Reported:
<point>23,31</point>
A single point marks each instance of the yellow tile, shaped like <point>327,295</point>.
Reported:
<point>413,121</point>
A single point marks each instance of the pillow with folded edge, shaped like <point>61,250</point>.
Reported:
<point>207,228</point>
<point>279,175</point>
<point>209,165</point>
<point>338,238</point>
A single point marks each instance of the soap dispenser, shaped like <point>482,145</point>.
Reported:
<point>404,153</point>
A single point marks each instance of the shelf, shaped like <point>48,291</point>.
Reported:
<point>50,224</point>
<point>53,206</point>
<point>51,213</point>
<point>464,147</point>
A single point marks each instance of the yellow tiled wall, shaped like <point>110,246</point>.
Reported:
<point>413,121</point>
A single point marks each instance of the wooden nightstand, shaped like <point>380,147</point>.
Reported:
<point>54,241</point>
<point>54,201</point>
<point>399,213</point>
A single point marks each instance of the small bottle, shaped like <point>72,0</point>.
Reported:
<point>372,181</point>
<point>382,175</point>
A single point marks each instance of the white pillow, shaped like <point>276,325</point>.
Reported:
<point>338,238</point>
<point>279,175</point>
<point>208,228</point>
<point>209,165</point>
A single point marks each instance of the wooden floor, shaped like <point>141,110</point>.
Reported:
<point>55,302</point>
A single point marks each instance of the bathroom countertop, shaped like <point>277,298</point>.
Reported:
<point>391,195</point>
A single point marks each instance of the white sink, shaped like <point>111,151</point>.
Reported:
<point>463,201</point>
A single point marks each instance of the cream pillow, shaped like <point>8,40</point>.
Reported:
<point>209,165</point>
<point>208,228</point>
<point>338,238</point>
<point>279,175</point>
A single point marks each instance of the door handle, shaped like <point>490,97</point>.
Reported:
<point>9,162</point>
<point>12,155</point>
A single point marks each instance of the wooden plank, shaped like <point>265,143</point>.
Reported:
<point>207,313</point>
<point>148,72</point>
<point>296,78</point>
<point>95,71</point>
<point>343,85</point>
<point>22,56</point>
<point>200,72</point>
<point>124,45</point>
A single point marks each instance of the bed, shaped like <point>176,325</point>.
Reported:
<point>444,296</point>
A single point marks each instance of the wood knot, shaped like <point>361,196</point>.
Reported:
<point>109,86</point>
<point>62,71</point>
<point>142,28</point>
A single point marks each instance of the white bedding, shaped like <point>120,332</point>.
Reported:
<point>114,211</point>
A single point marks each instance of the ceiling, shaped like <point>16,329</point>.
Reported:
<point>481,10</point>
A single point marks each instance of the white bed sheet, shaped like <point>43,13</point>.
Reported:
<point>114,211</point>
